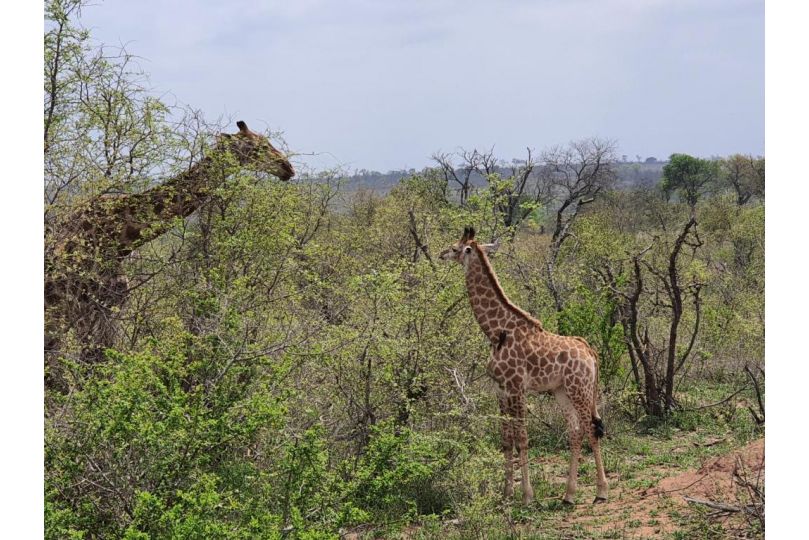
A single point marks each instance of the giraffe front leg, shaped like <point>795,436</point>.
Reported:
<point>521,434</point>
<point>507,445</point>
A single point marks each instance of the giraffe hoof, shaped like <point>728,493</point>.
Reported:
<point>599,500</point>
<point>566,502</point>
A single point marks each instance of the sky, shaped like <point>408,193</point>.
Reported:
<point>384,85</point>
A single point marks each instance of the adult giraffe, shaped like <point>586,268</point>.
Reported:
<point>526,358</point>
<point>84,280</point>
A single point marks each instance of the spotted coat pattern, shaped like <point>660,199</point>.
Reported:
<point>525,358</point>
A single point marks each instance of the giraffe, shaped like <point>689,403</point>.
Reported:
<point>525,358</point>
<point>84,252</point>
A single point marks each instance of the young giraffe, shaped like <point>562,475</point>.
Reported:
<point>526,358</point>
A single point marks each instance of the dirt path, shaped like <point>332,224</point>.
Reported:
<point>658,511</point>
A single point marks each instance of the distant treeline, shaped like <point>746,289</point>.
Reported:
<point>629,175</point>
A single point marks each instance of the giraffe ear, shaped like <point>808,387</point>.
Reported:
<point>490,249</point>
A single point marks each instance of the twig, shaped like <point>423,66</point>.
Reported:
<point>420,246</point>
<point>697,481</point>
<point>710,443</point>
<point>718,402</point>
<point>759,419</point>
<point>722,507</point>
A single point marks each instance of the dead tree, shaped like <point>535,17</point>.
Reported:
<point>462,173</point>
<point>575,175</point>
<point>658,289</point>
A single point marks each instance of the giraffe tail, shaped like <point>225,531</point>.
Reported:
<point>598,427</point>
<point>598,424</point>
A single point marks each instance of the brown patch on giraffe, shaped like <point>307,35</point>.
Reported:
<point>502,339</point>
<point>568,370</point>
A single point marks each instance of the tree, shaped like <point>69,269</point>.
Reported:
<point>662,284</point>
<point>689,176</point>
<point>516,189</point>
<point>745,175</point>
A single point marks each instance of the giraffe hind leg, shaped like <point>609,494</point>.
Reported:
<point>584,410</point>
<point>575,435</point>
<point>595,443</point>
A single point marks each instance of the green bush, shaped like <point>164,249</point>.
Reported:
<point>399,474</point>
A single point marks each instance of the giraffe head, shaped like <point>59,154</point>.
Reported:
<point>463,250</point>
<point>255,151</point>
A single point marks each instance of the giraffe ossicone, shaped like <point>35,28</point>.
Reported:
<point>525,358</point>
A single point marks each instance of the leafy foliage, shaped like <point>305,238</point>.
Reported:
<point>292,361</point>
<point>689,176</point>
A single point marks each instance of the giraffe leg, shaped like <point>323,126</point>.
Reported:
<point>595,433</point>
<point>575,437</point>
<point>595,444</point>
<point>507,444</point>
<point>584,409</point>
<point>601,477</point>
<point>521,436</point>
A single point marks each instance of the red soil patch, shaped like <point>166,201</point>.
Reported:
<point>714,480</point>
<point>647,513</point>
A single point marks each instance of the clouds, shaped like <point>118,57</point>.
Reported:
<point>384,84</point>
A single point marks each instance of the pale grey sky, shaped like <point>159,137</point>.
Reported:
<point>384,84</point>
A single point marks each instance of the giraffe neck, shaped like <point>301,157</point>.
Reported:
<point>184,193</point>
<point>147,215</point>
<point>490,309</point>
<point>493,310</point>
<point>118,225</point>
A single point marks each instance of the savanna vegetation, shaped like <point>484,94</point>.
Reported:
<point>293,360</point>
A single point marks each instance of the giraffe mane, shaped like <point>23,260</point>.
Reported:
<point>498,290</point>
